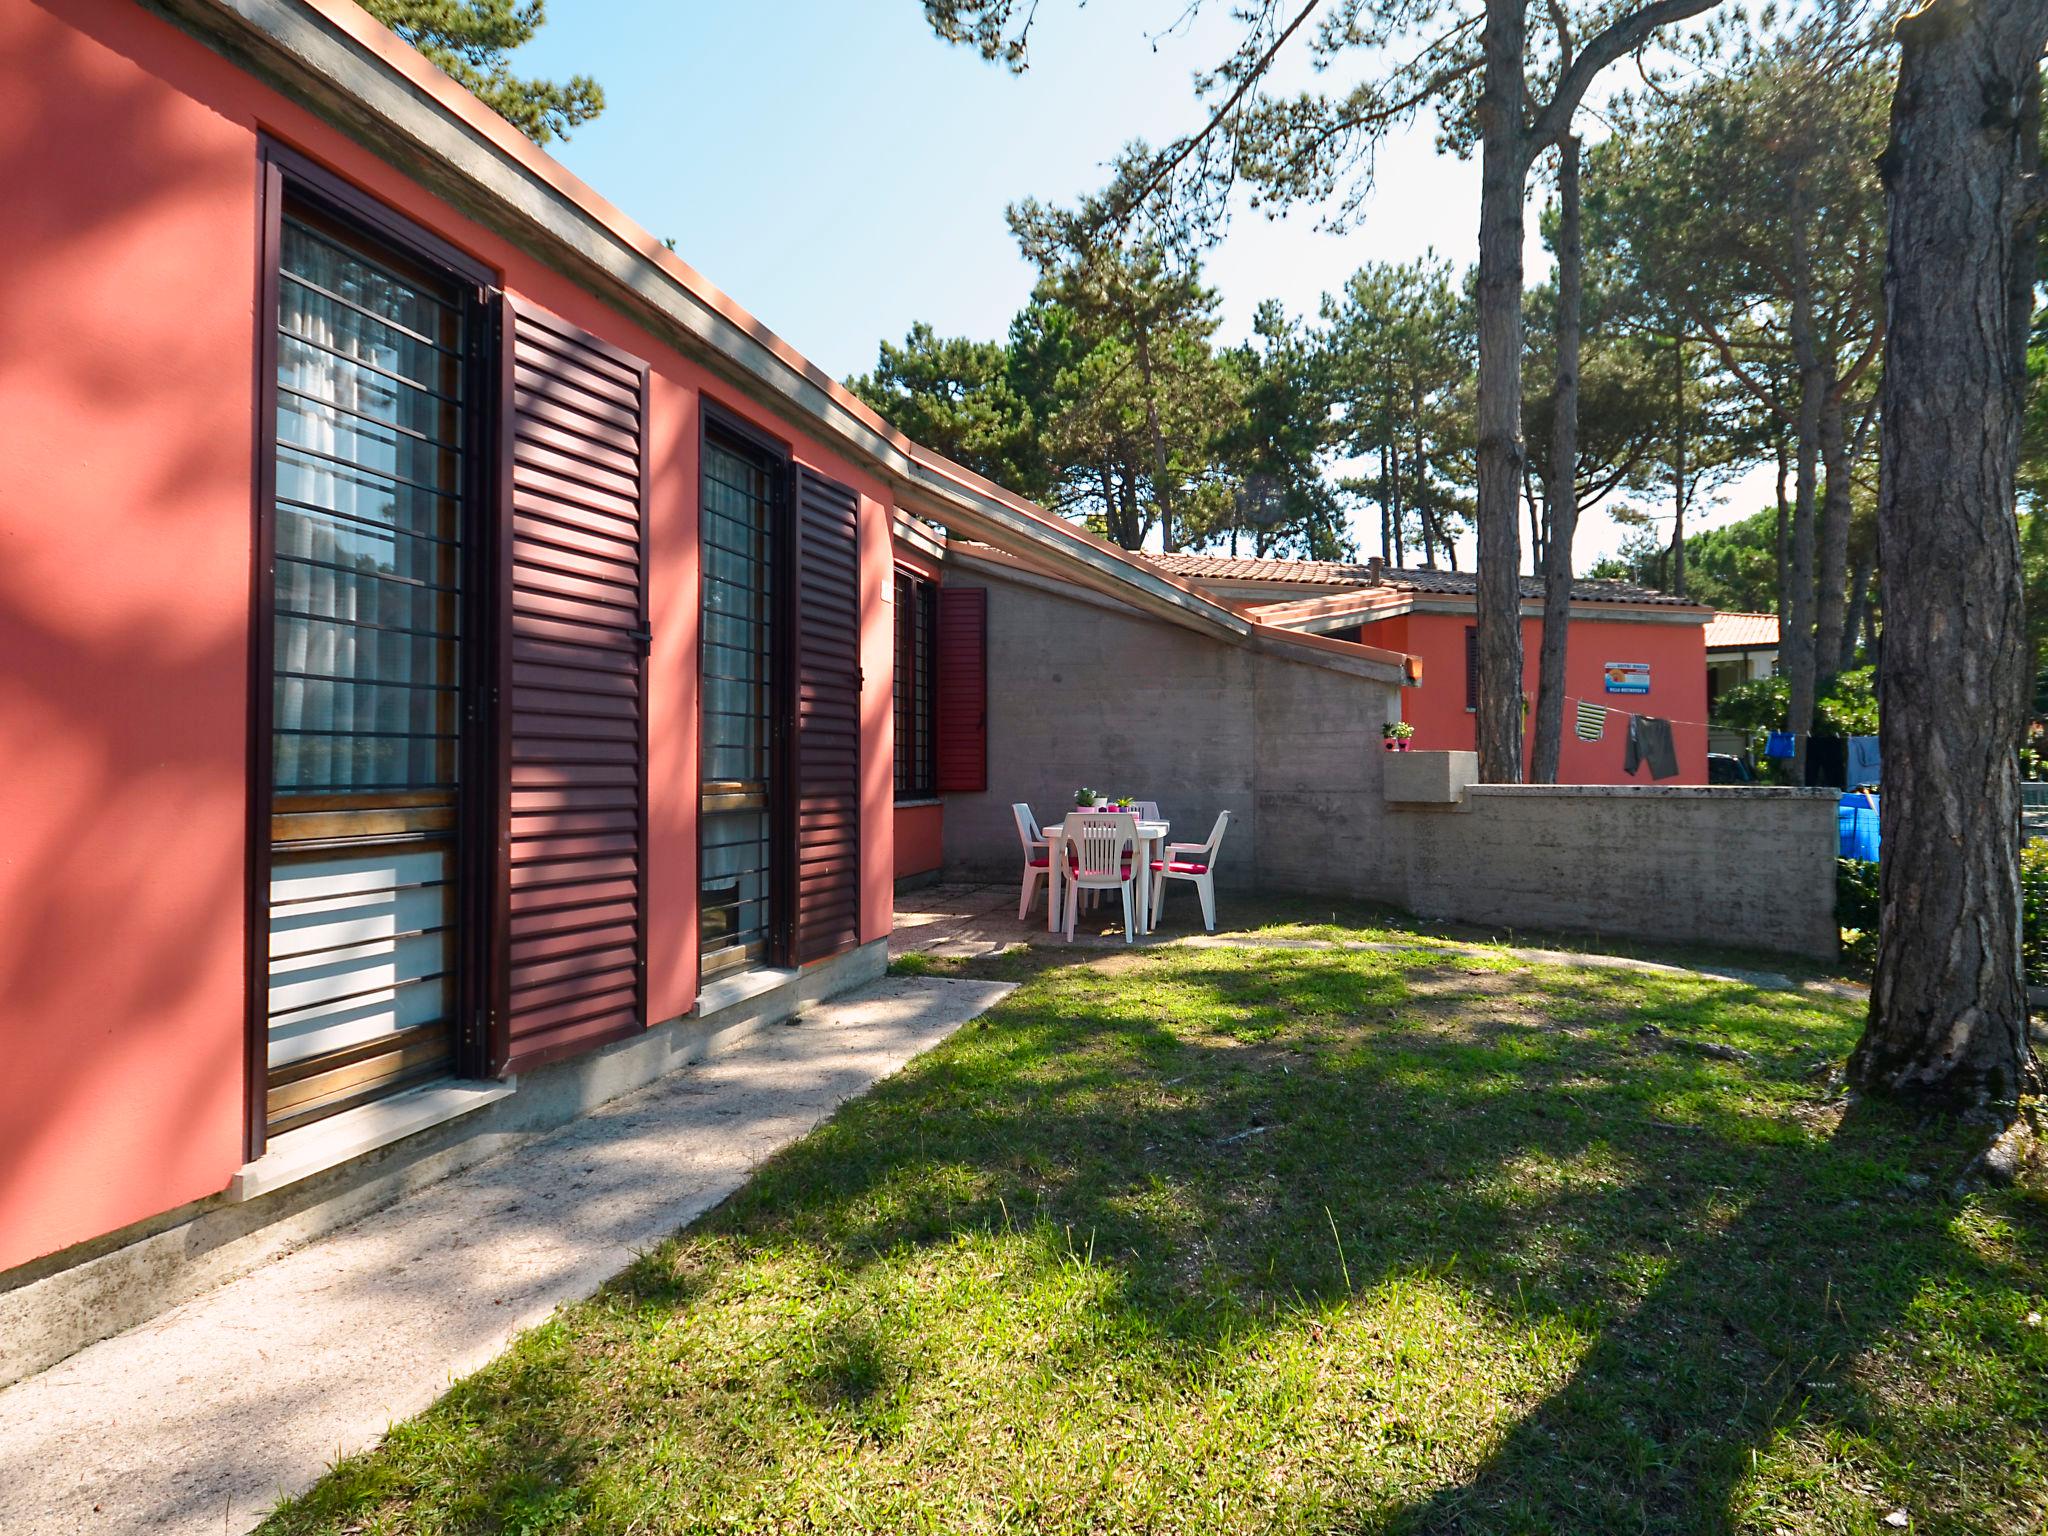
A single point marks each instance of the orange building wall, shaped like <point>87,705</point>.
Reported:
<point>127,399</point>
<point>1676,655</point>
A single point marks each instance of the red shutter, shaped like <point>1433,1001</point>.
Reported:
<point>828,718</point>
<point>963,689</point>
<point>571,970</point>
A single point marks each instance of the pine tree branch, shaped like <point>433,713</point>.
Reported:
<point>1623,36</point>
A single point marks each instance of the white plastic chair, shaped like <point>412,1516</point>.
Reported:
<point>1145,810</point>
<point>1102,855</point>
<point>1195,862</point>
<point>1037,856</point>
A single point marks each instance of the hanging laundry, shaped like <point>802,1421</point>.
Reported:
<point>1650,742</point>
<point>1864,762</point>
<point>1827,762</point>
<point>1592,721</point>
<point>1781,744</point>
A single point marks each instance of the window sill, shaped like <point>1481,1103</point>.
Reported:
<point>913,802</point>
<point>738,987</point>
<point>351,1134</point>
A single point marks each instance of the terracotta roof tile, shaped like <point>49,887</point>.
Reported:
<point>1742,631</point>
<point>1341,573</point>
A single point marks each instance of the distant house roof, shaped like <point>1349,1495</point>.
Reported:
<point>1344,573</point>
<point>1742,631</point>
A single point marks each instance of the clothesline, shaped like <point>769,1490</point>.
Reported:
<point>1616,709</point>
<point>1705,725</point>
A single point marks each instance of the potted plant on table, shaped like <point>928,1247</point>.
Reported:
<point>1084,799</point>
<point>1396,734</point>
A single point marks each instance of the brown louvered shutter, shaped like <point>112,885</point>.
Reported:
<point>828,718</point>
<point>572,869</point>
<point>963,689</point>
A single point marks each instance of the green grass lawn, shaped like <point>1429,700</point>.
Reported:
<point>1210,1240</point>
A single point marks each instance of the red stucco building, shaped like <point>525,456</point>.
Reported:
<point>1630,650</point>
<point>455,656</point>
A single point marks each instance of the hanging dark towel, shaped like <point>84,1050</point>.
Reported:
<point>1649,741</point>
<point>1827,762</point>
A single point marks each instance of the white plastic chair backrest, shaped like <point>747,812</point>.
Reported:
<point>1100,844</point>
<point>1145,810</point>
<point>1027,826</point>
<point>1215,844</point>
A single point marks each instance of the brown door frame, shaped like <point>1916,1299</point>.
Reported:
<point>282,172</point>
<point>716,419</point>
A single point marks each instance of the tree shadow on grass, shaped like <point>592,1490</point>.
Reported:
<point>1206,1158</point>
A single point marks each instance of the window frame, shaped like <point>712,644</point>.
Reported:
<point>915,695</point>
<point>720,425</point>
<point>283,174</point>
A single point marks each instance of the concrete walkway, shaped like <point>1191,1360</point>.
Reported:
<point>199,1420</point>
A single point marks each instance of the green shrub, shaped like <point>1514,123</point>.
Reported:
<point>2034,911</point>
<point>1856,910</point>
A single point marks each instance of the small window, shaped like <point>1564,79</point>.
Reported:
<point>916,697</point>
<point>1472,667</point>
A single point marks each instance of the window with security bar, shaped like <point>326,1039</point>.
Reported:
<point>742,646</point>
<point>916,712</point>
<point>367,530</point>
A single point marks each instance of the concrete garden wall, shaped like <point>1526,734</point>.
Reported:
<point>1750,868</point>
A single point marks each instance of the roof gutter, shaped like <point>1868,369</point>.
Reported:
<point>332,58</point>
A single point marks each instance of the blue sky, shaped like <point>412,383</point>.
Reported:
<point>841,172</point>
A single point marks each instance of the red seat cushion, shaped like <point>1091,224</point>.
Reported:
<point>1040,861</point>
<point>1179,867</point>
<point>1074,863</point>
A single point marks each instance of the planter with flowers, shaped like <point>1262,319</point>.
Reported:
<point>1396,734</point>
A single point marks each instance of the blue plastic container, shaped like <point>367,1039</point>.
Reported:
<point>1856,821</point>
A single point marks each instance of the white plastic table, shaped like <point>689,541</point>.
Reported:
<point>1152,837</point>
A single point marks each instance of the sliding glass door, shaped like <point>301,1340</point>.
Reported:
<point>370,529</point>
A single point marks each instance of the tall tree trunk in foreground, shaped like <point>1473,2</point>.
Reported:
<point>1502,189</point>
<point>1561,480</point>
<point>1948,1006</point>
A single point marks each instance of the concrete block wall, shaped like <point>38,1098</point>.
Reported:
<point>1083,691</point>
<point>1750,868</point>
<point>1318,765</point>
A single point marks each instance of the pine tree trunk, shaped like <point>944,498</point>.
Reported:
<point>1795,630</point>
<point>1502,189</point>
<point>1678,446</point>
<point>1400,511</point>
<point>1859,606</point>
<point>1561,482</point>
<point>1386,514</point>
<point>1948,1006</point>
<point>1418,480</point>
<point>1162,485</point>
<point>1831,596</point>
<point>1784,540</point>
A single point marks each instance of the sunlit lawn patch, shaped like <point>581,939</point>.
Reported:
<point>1246,1240</point>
